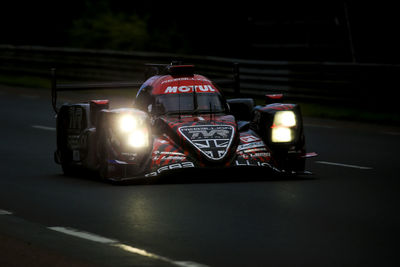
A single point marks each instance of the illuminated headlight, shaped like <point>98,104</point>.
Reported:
<point>285,118</point>
<point>282,128</point>
<point>133,130</point>
<point>127,123</point>
<point>281,135</point>
<point>138,138</point>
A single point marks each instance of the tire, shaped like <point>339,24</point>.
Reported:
<point>106,171</point>
<point>63,157</point>
<point>68,169</point>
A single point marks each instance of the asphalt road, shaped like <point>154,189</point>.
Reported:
<point>344,215</point>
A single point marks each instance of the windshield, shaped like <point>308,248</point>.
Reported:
<point>189,103</point>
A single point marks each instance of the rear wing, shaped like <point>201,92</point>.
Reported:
<point>57,87</point>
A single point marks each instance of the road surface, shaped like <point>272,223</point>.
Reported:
<point>346,214</point>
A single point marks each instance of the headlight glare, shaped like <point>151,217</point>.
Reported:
<point>285,118</point>
<point>281,135</point>
<point>283,128</point>
<point>127,123</point>
<point>138,138</point>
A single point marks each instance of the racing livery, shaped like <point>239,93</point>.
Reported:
<point>180,120</point>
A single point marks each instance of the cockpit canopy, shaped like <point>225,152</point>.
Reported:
<point>190,103</point>
<point>169,94</point>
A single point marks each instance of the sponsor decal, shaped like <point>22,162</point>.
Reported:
<point>260,155</point>
<point>189,89</point>
<point>254,150</point>
<point>251,163</point>
<point>255,164</point>
<point>170,153</point>
<point>249,139</point>
<point>213,141</point>
<point>172,158</point>
<point>184,79</point>
<point>256,155</point>
<point>157,157</point>
<point>182,165</point>
<point>250,145</point>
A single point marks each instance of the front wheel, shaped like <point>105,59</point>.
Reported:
<point>106,170</point>
<point>69,169</point>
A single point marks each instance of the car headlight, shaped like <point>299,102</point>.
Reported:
<point>282,127</point>
<point>133,130</point>
<point>139,138</point>
<point>127,123</point>
<point>285,118</point>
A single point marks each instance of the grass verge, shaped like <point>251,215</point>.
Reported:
<point>25,81</point>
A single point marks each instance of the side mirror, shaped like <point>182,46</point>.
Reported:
<point>273,98</point>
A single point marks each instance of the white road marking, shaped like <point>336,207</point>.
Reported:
<point>158,257</point>
<point>84,235</point>
<point>5,212</point>
<point>44,127</point>
<point>116,243</point>
<point>344,165</point>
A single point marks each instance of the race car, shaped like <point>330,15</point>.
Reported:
<point>179,121</point>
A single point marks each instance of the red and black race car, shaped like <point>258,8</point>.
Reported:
<point>180,121</point>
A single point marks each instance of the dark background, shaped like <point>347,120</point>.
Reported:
<point>340,31</point>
